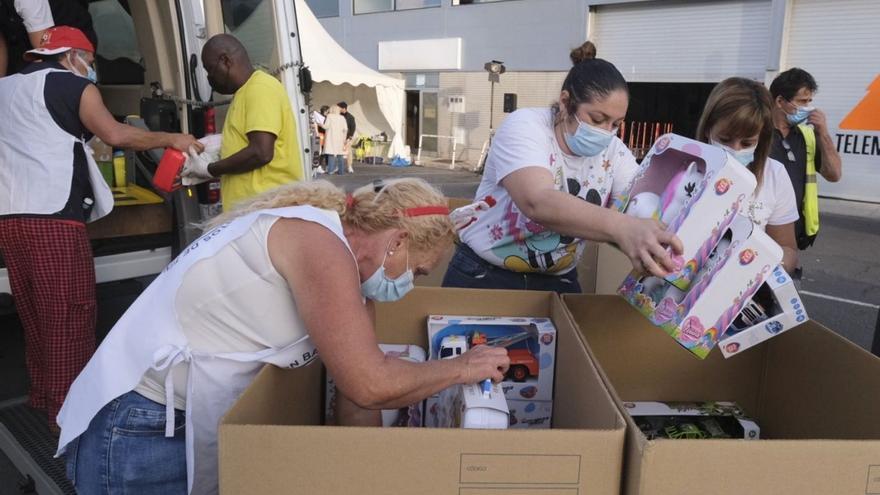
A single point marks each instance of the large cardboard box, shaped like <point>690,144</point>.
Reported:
<point>813,394</point>
<point>271,441</point>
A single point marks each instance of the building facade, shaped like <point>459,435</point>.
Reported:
<point>671,52</point>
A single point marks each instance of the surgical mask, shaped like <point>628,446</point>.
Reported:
<point>799,116</point>
<point>744,156</point>
<point>90,74</point>
<point>383,289</point>
<point>588,140</point>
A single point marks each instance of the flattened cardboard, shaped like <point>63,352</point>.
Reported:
<point>270,442</point>
<point>813,393</point>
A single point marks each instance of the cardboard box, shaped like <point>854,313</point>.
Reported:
<point>534,357</point>
<point>739,258</point>
<point>271,441</point>
<point>781,304</point>
<point>813,393</point>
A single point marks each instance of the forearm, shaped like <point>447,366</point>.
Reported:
<point>831,164</point>
<point>789,259</point>
<point>398,383</point>
<point>128,137</point>
<point>245,160</point>
<point>567,215</point>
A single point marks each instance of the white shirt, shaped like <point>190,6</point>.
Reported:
<point>505,237</point>
<point>774,202</point>
<point>35,14</point>
<point>234,301</point>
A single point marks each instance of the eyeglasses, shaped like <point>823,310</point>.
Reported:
<point>789,153</point>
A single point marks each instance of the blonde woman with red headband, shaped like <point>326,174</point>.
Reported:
<point>286,274</point>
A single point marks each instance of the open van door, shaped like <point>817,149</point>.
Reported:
<point>269,31</point>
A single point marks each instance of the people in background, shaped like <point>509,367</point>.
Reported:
<point>260,149</point>
<point>335,140</point>
<point>553,175</point>
<point>50,187</point>
<point>738,118</point>
<point>801,142</point>
<point>349,136</point>
<point>284,275</point>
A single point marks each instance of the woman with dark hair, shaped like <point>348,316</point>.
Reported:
<point>555,175</point>
<point>738,118</point>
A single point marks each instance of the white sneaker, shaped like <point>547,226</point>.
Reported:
<point>350,170</point>
<point>320,170</point>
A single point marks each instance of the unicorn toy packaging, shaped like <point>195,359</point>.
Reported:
<point>698,190</point>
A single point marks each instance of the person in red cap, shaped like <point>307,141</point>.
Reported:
<point>50,187</point>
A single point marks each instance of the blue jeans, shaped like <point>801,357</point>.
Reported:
<point>468,270</point>
<point>125,450</point>
<point>337,163</point>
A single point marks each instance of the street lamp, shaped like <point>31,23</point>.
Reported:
<point>495,68</point>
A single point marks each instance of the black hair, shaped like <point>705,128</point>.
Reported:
<point>591,79</point>
<point>342,104</point>
<point>788,83</point>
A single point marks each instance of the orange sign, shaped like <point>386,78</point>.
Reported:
<point>866,115</point>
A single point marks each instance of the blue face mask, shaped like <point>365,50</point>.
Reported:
<point>588,140</point>
<point>799,116</point>
<point>383,289</point>
<point>90,74</point>
<point>744,156</point>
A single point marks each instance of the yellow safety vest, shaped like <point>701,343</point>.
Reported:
<point>811,190</point>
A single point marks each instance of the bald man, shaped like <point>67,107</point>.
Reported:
<point>260,149</point>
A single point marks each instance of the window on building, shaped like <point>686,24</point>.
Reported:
<point>324,8</point>
<point>371,6</point>
<point>119,59</point>
<point>469,2</point>
<point>253,23</point>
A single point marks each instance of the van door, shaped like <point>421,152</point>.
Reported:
<point>269,31</point>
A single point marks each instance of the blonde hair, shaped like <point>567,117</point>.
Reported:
<point>372,208</point>
<point>740,108</point>
<point>335,110</point>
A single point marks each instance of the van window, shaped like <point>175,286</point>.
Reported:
<point>119,60</point>
<point>253,23</point>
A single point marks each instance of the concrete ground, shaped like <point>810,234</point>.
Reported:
<point>841,288</point>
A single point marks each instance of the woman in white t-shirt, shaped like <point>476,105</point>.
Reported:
<point>553,176</point>
<point>737,117</point>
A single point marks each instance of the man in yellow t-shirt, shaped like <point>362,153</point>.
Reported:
<point>260,148</point>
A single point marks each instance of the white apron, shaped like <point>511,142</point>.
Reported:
<point>149,336</point>
<point>36,155</point>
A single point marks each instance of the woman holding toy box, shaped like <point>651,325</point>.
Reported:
<point>272,282</point>
<point>738,118</point>
<point>552,178</point>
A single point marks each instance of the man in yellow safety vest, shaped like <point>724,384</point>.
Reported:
<point>801,142</point>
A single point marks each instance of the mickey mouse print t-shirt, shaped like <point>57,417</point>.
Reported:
<point>503,235</point>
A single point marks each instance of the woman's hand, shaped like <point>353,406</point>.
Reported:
<point>481,362</point>
<point>645,242</point>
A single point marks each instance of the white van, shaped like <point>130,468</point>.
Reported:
<point>149,65</point>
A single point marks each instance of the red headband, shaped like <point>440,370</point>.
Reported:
<point>350,201</point>
<point>426,210</point>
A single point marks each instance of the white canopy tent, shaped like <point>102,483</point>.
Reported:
<point>374,99</point>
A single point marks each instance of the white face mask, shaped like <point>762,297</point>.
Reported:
<point>744,156</point>
<point>90,74</point>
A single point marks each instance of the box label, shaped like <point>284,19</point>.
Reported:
<point>516,469</point>
<point>873,487</point>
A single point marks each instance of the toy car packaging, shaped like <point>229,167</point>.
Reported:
<point>698,191</point>
<point>530,343</point>
<point>692,421</point>
<point>775,308</point>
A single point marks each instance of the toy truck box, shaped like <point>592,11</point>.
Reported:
<point>692,421</point>
<point>411,416</point>
<point>532,360</point>
<point>775,308</point>
<point>738,259</point>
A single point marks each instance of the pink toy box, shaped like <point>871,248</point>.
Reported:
<point>775,308</point>
<point>698,190</point>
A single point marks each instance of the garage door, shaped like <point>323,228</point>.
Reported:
<point>685,41</point>
<point>838,43</point>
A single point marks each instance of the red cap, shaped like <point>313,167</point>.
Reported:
<point>60,39</point>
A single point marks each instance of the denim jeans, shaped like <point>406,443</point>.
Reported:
<point>467,269</point>
<point>124,450</point>
<point>336,163</point>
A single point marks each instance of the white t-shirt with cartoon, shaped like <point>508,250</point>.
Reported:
<point>774,203</point>
<point>503,235</point>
